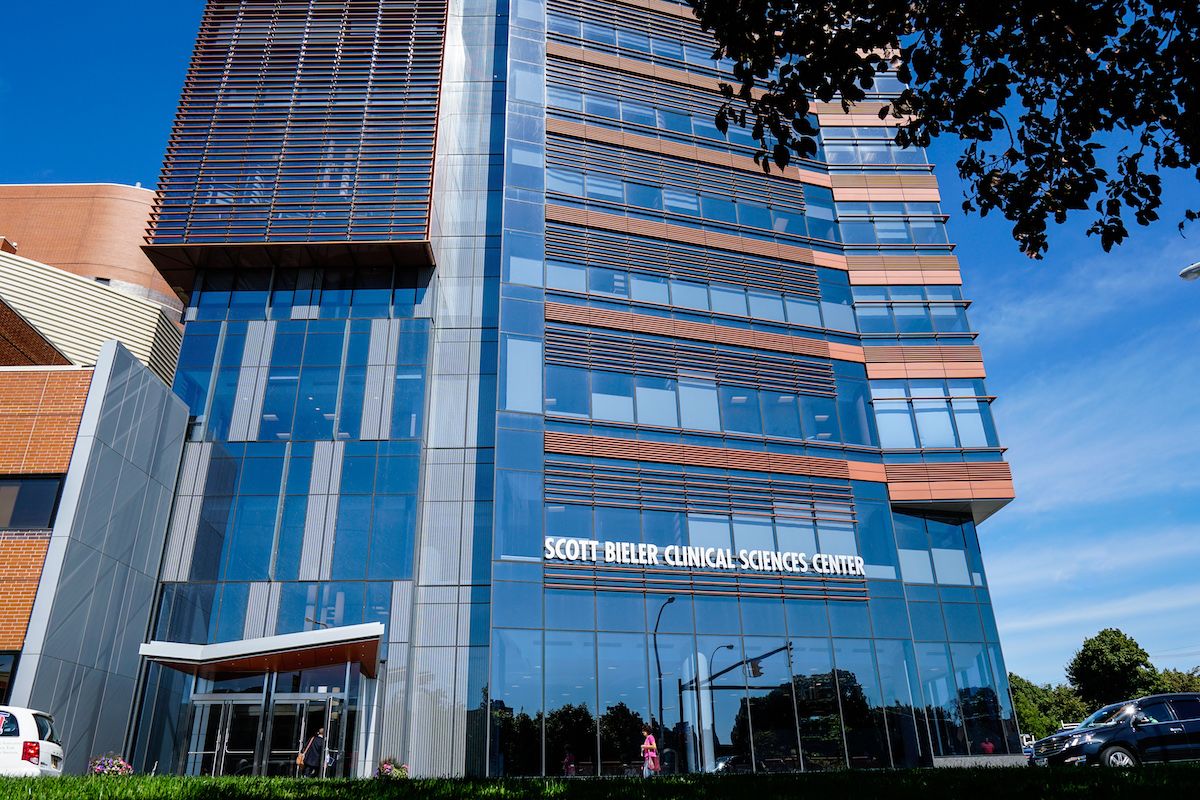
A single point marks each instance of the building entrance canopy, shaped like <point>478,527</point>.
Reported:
<point>289,651</point>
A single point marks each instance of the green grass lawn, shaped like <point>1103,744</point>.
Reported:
<point>1162,783</point>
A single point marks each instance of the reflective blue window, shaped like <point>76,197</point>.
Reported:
<point>620,611</point>
<point>963,622</point>
<point>408,403</point>
<point>522,383</point>
<point>781,414</point>
<point>753,533</point>
<point>571,521</point>
<point>567,391</point>
<point>717,615</point>
<point>664,528</point>
<point>290,539</point>
<point>762,615</point>
<point>728,299</point>
<point>889,618</point>
<point>656,401</point>
<point>708,530</point>
<point>807,617</point>
<point>740,410</point>
<point>251,539</point>
<point>316,403</point>
<point>849,619</point>
<point>941,695</point>
<point>689,294</point>
<point>194,371</point>
<point>927,621</point>
<point>516,604</point>
<point>612,397</point>
<point>819,418</point>
<point>699,407</point>
<point>818,710</point>
<point>570,608</point>
<point>650,289</point>
<point>351,537</point>
<point>616,524</point>
<point>934,423</point>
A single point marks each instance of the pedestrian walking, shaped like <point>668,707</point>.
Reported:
<point>312,756</point>
<point>568,763</point>
<point>650,764</point>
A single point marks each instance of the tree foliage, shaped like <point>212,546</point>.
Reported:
<point>1062,105</point>
<point>1174,680</point>
<point>1111,667</point>
<point>1042,709</point>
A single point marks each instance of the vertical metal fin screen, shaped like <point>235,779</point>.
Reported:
<point>305,121</point>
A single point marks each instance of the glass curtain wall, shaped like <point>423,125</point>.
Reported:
<point>307,385</point>
<point>618,265</point>
<point>307,395</point>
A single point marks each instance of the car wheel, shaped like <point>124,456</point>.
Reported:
<point>1118,757</point>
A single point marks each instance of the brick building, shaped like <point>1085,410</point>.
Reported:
<point>89,445</point>
<point>40,410</point>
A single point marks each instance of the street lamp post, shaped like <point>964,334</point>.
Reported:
<point>1191,272</point>
<point>712,696</point>
<point>658,662</point>
<point>714,655</point>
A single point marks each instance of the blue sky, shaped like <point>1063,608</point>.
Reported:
<point>1095,361</point>
<point>1094,356</point>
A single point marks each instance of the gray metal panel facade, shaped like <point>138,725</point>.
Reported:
<point>95,599</point>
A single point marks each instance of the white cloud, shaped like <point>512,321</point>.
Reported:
<point>1113,613</point>
<point>1040,306</point>
<point>1086,560</point>
<point>1119,425</point>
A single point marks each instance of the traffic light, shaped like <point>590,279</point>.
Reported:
<point>755,669</point>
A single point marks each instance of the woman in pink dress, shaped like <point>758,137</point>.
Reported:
<point>649,754</point>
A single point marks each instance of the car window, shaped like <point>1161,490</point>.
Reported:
<point>1156,711</point>
<point>46,731</point>
<point>1186,708</point>
<point>1109,715</point>
<point>8,725</point>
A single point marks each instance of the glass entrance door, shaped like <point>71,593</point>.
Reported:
<point>240,748</point>
<point>257,724</point>
<point>285,740</point>
<point>295,721</point>
<point>224,737</point>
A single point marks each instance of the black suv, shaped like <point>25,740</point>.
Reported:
<point>1162,727</point>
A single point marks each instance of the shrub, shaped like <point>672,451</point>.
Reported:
<point>109,764</point>
<point>392,769</point>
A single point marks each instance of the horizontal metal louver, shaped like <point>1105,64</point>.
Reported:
<point>305,122</point>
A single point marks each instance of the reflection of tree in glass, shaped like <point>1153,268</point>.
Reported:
<point>981,717</point>
<point>772,715</point>
<point>773,718</point>
<point>902,733</point>
<point>865,742</point>
<point>571,725</point>
<point>819,721</point>
<point>516,741</point>
<point>945,724</point>
<point>621,739</point>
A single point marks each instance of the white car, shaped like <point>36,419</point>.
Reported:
<point>29,744</point>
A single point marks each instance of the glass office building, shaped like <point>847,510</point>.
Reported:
<point>529,413</point>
